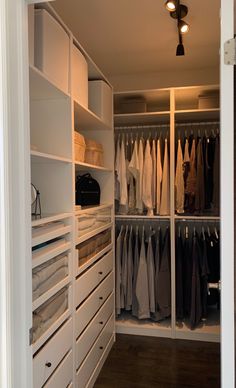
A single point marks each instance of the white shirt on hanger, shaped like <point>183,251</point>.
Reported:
<point>165,190</point>
<point>154,173</point>
<point>139,203</point>
<point>179,181</point>
<point>147,179</point>
<point>158,178</point>
<point>122,176</point>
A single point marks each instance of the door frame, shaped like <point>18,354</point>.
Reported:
<point>15,239</point>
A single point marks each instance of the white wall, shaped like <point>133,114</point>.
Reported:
<point>142,81</point>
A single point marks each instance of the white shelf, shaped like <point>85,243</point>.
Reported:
<point>42,87</point>
<point>48,294</point>
<point>42,157</point>
<point>41,236</point>
<point>86,209</point>
<point>126,324</point>
<point>48,252</point>
<point>86,166</point>
<point>83,267</point>
<point>197,114</point>
<point>45,218</point>
<point>208,330</point>
<point>142,118</point>
<point>86,236</point>
<point>87,120</point>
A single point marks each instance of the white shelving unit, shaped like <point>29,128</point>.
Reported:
<point>174,108</point>
<point>54,116</point>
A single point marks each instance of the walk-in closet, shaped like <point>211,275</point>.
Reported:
<point>127,220</point>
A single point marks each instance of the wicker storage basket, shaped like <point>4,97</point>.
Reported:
<point>79,144</point>
<point>93,153</point>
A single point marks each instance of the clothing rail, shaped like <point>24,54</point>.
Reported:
<point>140,127</point>
<point>142,219</point>
<point>215,220</point>
<point>197,123</point>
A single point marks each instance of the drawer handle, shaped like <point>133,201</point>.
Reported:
<point>100,272</point>
<point>48,364</point>
<point>101,297</point>
<point>101,323</point>
<point>101,347</point>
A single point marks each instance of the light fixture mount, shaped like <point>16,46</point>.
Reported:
<point>180,13</point>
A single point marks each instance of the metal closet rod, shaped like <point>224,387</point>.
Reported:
<point>142,127</point>
<point>196,220</point>
<point>198,123</point>
<point>142,219</point>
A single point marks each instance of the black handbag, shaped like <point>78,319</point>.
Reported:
<point>87,191</point>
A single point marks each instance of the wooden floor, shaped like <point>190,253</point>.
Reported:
<point>148,362</point>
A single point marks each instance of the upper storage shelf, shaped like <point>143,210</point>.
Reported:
<point>85,119</point>
<point>197,98</point>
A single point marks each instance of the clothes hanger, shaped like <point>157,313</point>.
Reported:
<point>216,233</point>
<point>208,231</point>
<point>186,232</point>
<point>203,233</point>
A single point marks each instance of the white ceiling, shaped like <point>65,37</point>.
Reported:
<point>138,36</point>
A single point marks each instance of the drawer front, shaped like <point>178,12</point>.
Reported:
<point>95,354</point>
<point>52,353</point>
<point>87,339</point>
<point>63,375</point>
<point>92,277</point>
<point>90,307</point>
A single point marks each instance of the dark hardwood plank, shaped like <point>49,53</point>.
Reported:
<point>148,362</point>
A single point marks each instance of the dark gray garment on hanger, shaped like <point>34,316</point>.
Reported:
<point>200,191</point>
<point>204,275</point>
<point>196,302</point>
<point>151,275</point>
<point>119,244</point>
<point>142,284</point>
<point>179,277</point>
<point>124,269</point>
<point>216,177</point>
<point>164,281</point>
<point>158,252</point>
<point>129,291</point>
<point>135,273</point>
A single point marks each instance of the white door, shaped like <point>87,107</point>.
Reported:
<point>227,199</point>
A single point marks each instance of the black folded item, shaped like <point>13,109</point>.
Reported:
<point>87,191</point>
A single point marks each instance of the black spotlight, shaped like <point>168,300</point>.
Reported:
<point>180,48</point>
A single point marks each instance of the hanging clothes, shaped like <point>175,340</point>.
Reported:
<point>139,203</point>
<point>187,271</point>
<point>164,281</point>
<point>151,274</point>
<point>142,289</point>
<point>124,270</point>
<point>122,176</point>
<point>147,179</point>
<point>129,293</point>
<point>179,276</point>
<point>196,301</point>
<point>165,192</point>
<point>117,171</point>
<point>179,181</point>
<point>158,253</point>
<point>119,245</point>
<point>190,190</point>
<point>204,274</point>
<point>134,170</point>
<point>154,173</point>
<point>158,178</point>
<point>135,273</point>
<point>186,161</point>
<point>200,189</point>
<point>216,177</point>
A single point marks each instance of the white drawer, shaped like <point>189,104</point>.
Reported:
<point>45,362</point>
<point>88,337</point>
<point>90,307</point>
<point>63,375</point>
<point>89,364</point>
<point>92,277</point>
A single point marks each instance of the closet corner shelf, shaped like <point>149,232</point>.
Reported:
<point>87,120</point>
<point>133,326</point>
<point>50,218</point>
<point>50,293</point>
<point>42,157</point>
<point>196,218</point>
<point>86,166</point>
<point>42,87</point>
<point>137,216</point>
<point>141,118</point>
<point>197,114</point>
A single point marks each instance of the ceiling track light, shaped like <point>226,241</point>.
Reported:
<point>179,11</point>
<point>171,6</point>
